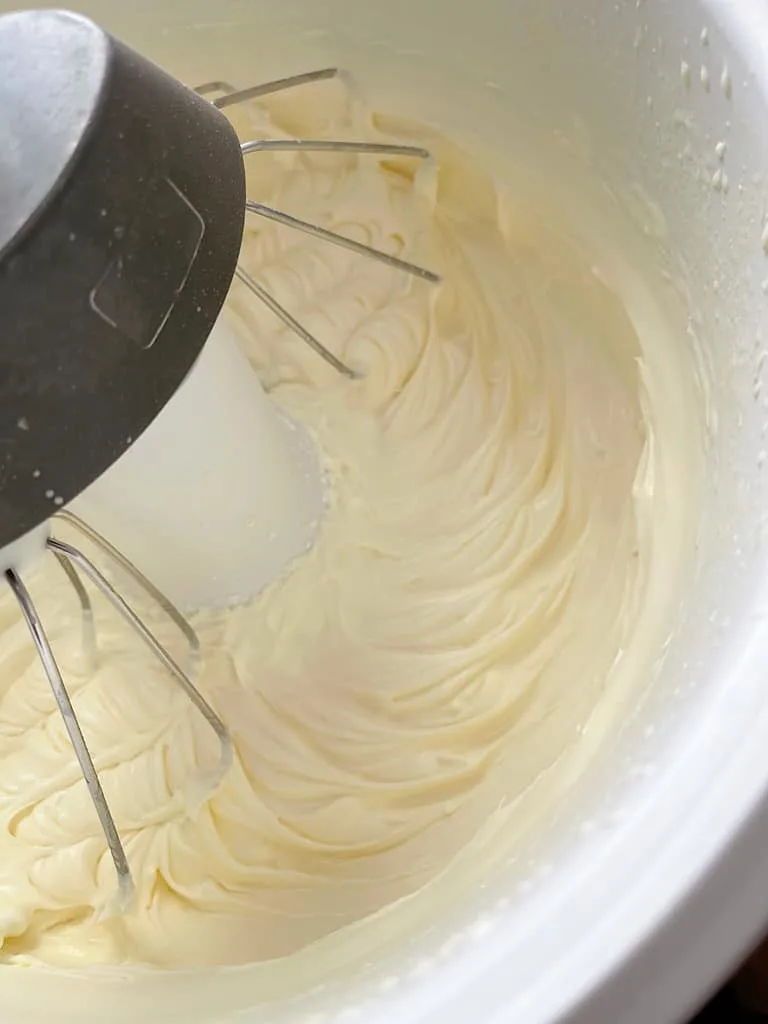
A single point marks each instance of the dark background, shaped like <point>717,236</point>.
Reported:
<point>741,1001</point>
<point>726,1009</point>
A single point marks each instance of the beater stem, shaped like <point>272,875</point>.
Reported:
<point>291,322</point>
<point>333,146</point>
<point>218,86</point>
<point>335,239</point>
<point>123,608</point>
<point>86,610</point>
<point>138,577</point>
<point>254,91</point>
<point>230,98</point>
<point>84,759</point>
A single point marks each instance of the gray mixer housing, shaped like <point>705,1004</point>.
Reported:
<point>122,201</point>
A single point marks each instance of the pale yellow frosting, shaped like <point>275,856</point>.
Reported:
<point>503,542</point>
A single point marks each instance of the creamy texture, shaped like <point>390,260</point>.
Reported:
<point>498,555</point>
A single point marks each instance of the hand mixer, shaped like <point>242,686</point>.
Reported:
<point>122,208</point>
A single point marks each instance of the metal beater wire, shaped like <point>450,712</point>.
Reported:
<point>233,96</point>
<point>83,755</point>
<point>337,146</point>
<point>334,146</point>
<point>86,612</point>
<point>291,322</point>
<point>72,559</point>
<point>139,578</point>
<point>118,602</point>
<point>335,239</point>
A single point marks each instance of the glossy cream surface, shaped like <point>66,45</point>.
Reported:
<point>511,485</point>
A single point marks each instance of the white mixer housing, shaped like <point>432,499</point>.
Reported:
<point>219,494</point>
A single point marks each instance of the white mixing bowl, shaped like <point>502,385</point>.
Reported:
<point>643,891</point>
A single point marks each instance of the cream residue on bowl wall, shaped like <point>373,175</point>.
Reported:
<point>512,511</point>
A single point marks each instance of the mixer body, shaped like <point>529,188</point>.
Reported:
<point>119,232</point>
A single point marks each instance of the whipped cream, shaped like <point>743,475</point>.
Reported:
<point>511,483</point>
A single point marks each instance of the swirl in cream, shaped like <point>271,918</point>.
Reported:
<point>479,581</point>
